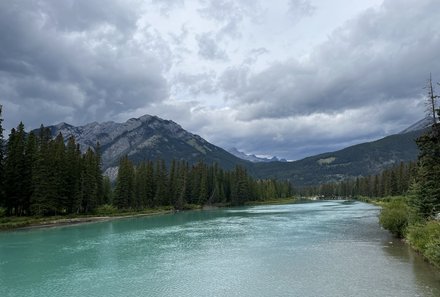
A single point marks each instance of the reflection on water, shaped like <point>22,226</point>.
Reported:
<point>333,248</point>
<point>426,276</point>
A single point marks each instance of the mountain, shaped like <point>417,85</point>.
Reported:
<point>151,138</point>
<point>253,158</point>
<point>146,138</point>
<point>354,161</point>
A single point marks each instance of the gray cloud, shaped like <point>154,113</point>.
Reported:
<point>230,14</point>
<point>168,5</point>
<point>209,48</point>
<point>301,8</point>
<point>83,61</point>
<point>79,58</point>
<point>382,55</point>
<point>195,84</point>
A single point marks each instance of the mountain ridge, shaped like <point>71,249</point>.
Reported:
<point>150,137</point>
<point>145,138</point>
<point>253,158</point>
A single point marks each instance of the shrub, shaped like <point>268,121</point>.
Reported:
<point>106,209</point>
<point>426,239</point>
<point>394,217</point>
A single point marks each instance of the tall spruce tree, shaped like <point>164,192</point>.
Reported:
<point>2,202</point>
<point>124,191</point>
<point>16,179</point>
<point>42,191</point>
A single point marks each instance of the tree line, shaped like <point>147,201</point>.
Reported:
<point>392,181</point>
<point>41,175</point>
<point>45,176</point>
<point>152,184</point>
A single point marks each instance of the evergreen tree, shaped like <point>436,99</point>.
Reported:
<point>30,158</point>
<point>42,192</point>
<point>16,175</point>
<point>150,185</point>
<point>98,175</point>
<point>141,191</point>
<point>107,190</point>
<point>427,198</point>
<point>124,191</point>
<point>161,195</point>
<point>88,188</point>
<point>73,176</point>
<point>59,174</point>
<point>2,177</point>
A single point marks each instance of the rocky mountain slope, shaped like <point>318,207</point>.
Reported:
<point>151,138</point>
<point>146,138</point>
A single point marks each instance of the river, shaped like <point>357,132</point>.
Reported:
<point>330,248</point>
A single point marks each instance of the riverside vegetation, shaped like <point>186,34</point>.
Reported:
<point>45,179</point>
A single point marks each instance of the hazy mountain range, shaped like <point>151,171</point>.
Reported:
<point>252,157</point>
<point>150,138</point>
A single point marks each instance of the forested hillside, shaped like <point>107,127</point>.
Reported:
<point>41,175</point>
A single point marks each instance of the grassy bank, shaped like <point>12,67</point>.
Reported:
<point>401,220</point>
<point>105,212</point>
<point>272,201</point>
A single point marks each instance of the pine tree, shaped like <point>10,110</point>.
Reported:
<point>73,176</point>
<point>88,187</point>
<point>141,189</point>
<point>16,177</point>
<point>2,202</point>
<point>42,192</point>
<point>150,185</point>
<point>107,190</point>
<point>59,174</point>
<point>428,174</point>
<point>161,181</point>
<point>30,158</point>
<point>124,191</point>
<point>98,175</point>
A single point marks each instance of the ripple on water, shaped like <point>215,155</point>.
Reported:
<point>332,248</point>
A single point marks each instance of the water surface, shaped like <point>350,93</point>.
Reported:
<point>333,248</point>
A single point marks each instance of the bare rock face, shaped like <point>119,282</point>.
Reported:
<point>145,138</point>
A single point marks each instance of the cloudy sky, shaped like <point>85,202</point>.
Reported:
<point>283,77</point>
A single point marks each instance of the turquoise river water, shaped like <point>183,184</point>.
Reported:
<point>330,248</point>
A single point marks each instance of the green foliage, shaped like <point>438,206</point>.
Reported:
<point>106,209</point>
<point>125,182</point>
<point>390,182</point>
<point>427,199</point>
<point>425,238</point>
<point>2,176</point>
<point>395,216</point>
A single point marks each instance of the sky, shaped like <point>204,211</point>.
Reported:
<point>290,78</point>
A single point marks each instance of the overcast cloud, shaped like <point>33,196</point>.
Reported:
<point>289,78</point>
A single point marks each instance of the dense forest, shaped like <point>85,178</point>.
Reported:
<point>390,182</point>
<point>151,184</point>
<point>44,176</point>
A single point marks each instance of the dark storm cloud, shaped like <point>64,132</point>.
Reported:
<point>380,56</point>
<point>79,58</point>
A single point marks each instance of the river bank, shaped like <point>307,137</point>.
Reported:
<point>23,223</point>
<point>422,235</point>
